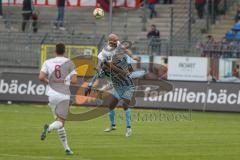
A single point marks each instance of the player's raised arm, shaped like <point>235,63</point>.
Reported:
<point>101,60</point>
<point>89,88</point>
<point>129,52</point>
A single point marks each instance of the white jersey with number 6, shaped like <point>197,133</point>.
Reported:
<point>59,71</point>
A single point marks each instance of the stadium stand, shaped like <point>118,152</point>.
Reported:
<point>131,20</point>
<point>180,30</point>
<point>224,24</point>
<point>223,37</point>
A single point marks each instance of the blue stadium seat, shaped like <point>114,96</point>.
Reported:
<point>236,27</point>
<point>237,37</point>
<point>230,35</point>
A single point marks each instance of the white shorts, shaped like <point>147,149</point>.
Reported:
<point>59,105</point>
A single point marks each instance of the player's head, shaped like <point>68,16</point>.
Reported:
<point>113,40</point>
<point>60,49</point>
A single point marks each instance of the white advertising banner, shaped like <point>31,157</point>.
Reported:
<point>188,68</point>
<point>131,3</point>
<point>88,2</point>
<point>76,3</point>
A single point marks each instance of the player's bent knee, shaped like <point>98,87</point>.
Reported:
<point>126,105</point>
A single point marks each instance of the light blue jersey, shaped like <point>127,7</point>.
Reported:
<point>123,86</point>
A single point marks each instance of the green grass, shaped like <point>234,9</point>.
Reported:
<point>208,136</point>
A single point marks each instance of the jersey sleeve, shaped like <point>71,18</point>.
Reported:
<point>44,68</point>
<point>101,56</point>
<point>120,46</point>
<point>98,75</point>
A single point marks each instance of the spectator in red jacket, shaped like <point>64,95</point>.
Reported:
<point>104,4</point>
<point>151,6</point>
<point>200,4</point>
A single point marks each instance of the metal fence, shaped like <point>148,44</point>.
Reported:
<point>215,49</point>
<point>185,27</point>
<point>183,24</point>
<point>222,49</point>
<point>212,11</point>
<point>163,47</point>
<point>47,26</point>
<point>21,50</point>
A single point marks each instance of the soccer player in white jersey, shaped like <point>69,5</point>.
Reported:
<point>58,73</point>
<point>112,48</point>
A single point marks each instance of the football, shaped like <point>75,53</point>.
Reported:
<point>98,13</point>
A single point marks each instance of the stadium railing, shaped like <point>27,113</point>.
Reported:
<point>221,49</point>
<point>43,26</point>
<point>21,50</point>
<point>164,47</point>
<point>192,27</point>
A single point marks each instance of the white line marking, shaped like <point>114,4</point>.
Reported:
<point>39,157</point>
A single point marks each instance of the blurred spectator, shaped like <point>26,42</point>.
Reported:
<point>211,77</point>
<point>230,35</point>
<point>236,71</point>
<point>104,4</point>
<point>27,10</point>
<point>1,14</point>
<point>237,17</point>
<point>167,2</point>
<point>213,9</point>
<point>60,18</point>
<point>153,33</point>
<point>226,48</point>
<point>154,37</point>
<point>200,4</point>
<point>151,6</point>
<point>210,39</point>
<point>35,21</point>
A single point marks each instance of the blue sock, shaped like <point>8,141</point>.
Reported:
<point>112,117</point>
<point>128,118</point>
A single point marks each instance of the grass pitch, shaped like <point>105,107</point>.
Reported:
<point>195,136</point>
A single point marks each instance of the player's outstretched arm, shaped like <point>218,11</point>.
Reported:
<point>130,54</point>
<point>89,88</point>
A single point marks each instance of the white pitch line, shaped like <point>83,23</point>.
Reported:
<point>34,157</point>
<point>38,157</point>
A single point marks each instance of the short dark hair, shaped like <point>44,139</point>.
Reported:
<point>153,25</point>
<point>60,49</point>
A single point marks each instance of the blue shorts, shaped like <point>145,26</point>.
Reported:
<point>123,92</point>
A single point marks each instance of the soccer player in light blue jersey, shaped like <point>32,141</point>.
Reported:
<point>114,65</point>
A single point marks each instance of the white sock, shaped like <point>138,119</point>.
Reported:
<point>55,125</point>
<point>63,137</point>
